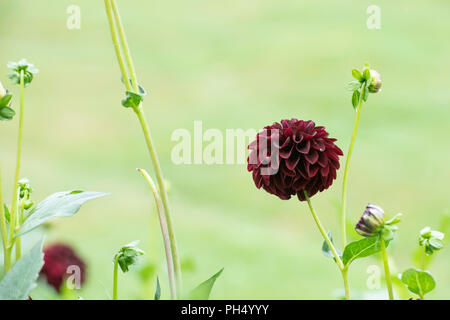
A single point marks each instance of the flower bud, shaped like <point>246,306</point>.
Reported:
<point>431,240</point>
<point>371,222</point>
<point>375,84</point>
<point>2,91</point>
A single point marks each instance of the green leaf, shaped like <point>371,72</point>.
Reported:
<point>203,290</point>
<point>60,204</point>
<point>355,99</point>
<point>132,100</point>
<point>418,281</point>
<point>128,255</point>
<point>365,93</point>
<point>366,74</point>
<point>326,249</point>
<point>353,85</point>
<point>357,75</point>
<point>7,214</point>
<point>4,102</point>
<point>21,279</point>
<point>6,113</point>
<point>361,248</point>
<point>158,290</point>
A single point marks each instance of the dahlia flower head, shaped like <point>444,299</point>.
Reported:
<point>57,258</point>
<point>291,156</point>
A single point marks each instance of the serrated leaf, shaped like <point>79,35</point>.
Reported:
<point>418,281</point>
<point>361,248</point>
<point>357,75</point>
<point>203,290</point>
<point>158,290</point>
<point>326,249</point>
<point>60,204</point>
<point>21,279</point>
<point>355,99</point>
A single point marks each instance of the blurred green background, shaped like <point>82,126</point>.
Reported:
<point>239,64</point>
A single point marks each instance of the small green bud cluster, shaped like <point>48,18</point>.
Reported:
<point>127,255</point>
<point>28,69</point>
<point>432,240</point>
<point>367,81</point>
<point>25,190</point>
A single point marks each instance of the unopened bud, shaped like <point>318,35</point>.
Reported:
<point>375,85</point>
<point>371,222</point>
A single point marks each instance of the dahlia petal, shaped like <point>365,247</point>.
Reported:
<point>312,156</point>
<point>304,147</point>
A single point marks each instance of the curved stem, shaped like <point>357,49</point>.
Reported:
<point>116,265</point>
<point>322,231</point>
<point>347,165</point>
<point>164,197</point>
<point>18,242</point>
<point>6,257</point>
<point>110,7</point>
<point>386,269</point>
<point>165,233</point>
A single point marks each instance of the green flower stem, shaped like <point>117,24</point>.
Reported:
<point>165,233</point>
<point>422,264</point>
<point>6,257</point>
<point>386,268</point>
<point>126,49</point>
<point>116,43</point>
<point>116,269</point>
<point>18,240</point>
<point>346,284</point>
<point>164,197</point>
<point>338,260</point>
<point>145,128</point>
<point>347,164</point>
<point>13,213</point>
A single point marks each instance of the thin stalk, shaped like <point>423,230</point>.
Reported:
<point>386,269</point>
<point>347,165</point>
<point>338,260</point>
<point>126,49</point>
<point>18,240</point>
<point>164,231</point>
<point>116,269</point>
<point>109,4</point>
<point>422,264</point>
<point>164,197</point>
<point>115,40</point>
<point>6,257</point>
<point>322,231</point>
<point>14,211</point>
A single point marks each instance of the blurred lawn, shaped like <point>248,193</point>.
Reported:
<point>243,64</point>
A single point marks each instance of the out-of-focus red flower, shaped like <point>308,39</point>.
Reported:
<point>57,259</point>
<point>293,156</point>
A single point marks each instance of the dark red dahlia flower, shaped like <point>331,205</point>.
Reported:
<point>293,156</point>
<point>60,262</point>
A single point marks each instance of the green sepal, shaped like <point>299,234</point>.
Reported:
<point>355,98</point>
<point>132,100</point>
<point>357,75</point>
<point>128,255</point>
